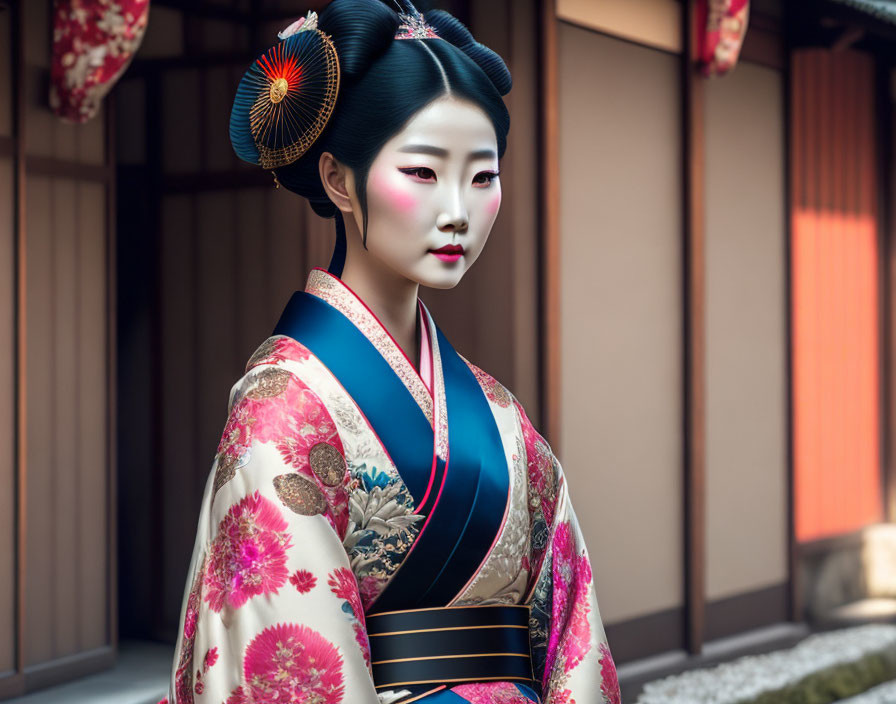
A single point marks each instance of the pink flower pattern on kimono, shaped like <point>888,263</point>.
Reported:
<point>491,693</point>
<point>540,462</point>
<point>278,349</point>
<point>344,585</point>
<point>543,488</point>
<point>494,390</point>
<point>370,588</point>
<point>303,581</point>
<point>609,677</point>
<point>248,554</point>
<point>183,676</point>
<point>211,657</point>
<point>236,436</point>
<point>279,408</point>
<point>314,425</point>
<point>291,663</point>
<point>570,636</point>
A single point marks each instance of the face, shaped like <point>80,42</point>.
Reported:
<point>433,194</point>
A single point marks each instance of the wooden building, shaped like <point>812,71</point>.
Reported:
<point>700,276</point>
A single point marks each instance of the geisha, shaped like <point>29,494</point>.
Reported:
<point>382,523</point>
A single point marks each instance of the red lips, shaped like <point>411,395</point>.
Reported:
<point>449,249</point>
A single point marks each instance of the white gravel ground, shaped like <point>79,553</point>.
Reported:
<point>751,675</point>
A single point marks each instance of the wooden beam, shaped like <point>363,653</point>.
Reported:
<point>68,668</point>
<point>63,168</point>
<point>793,112</point>
<point>694,334</point>
<point>216,181</point>
<point>143,67</point>
<point>550,227</point>
<point>848,37</point>
<point>229,14</point>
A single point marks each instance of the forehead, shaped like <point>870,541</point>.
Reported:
<point>449,123</point>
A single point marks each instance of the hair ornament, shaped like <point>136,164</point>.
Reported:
<point>303,24</point>
<point>412,26</point>
<point>284,100</point>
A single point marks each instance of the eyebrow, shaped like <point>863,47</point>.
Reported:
<point>438,151</point>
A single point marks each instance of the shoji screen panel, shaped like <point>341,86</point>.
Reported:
<point>746,340</point>
<point>621,302</point>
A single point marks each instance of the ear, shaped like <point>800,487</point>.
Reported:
<point>338,181</point>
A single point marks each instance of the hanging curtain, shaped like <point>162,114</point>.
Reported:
<point>93,43</point>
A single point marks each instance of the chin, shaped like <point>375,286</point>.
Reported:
<point>441,280</point>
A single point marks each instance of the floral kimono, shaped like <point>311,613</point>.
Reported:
<point>352,499</point>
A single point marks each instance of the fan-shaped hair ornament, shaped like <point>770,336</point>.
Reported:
<point>285,99</point>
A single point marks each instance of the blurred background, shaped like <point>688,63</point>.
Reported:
<point>690,287</point>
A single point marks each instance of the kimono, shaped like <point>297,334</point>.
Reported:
<point>354,497</point>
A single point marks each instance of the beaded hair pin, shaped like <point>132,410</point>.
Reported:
<point>413,26</point>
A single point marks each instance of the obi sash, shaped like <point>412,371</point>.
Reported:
<point>466,514</point>
<point>450,646</point>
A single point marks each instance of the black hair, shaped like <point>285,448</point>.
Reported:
<point>384,82</point>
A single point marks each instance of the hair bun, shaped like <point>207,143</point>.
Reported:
<point>362,30</point>
<point>453,31</point>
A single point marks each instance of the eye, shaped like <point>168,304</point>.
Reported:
<point>484,178</point>
<point>420,173</point>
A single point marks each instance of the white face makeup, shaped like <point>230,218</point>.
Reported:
<point>433,194</point>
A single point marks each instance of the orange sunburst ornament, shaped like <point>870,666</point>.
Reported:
<point>284,73</point>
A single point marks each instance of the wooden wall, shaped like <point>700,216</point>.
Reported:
<point>57,586</point>
<point>672,351</point>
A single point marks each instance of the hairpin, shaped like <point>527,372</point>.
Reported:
<point>412,26</point>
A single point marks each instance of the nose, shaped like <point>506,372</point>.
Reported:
<point>454,217</point>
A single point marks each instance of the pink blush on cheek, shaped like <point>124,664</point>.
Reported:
<point>394,195</point>
<point>493,205</point>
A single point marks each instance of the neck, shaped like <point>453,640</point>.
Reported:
<point>391,297</point>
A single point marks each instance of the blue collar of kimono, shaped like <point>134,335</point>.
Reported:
<point>466,514</point>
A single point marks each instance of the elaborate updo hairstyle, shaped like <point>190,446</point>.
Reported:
<point>383,83</point>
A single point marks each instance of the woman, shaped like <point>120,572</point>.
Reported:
<point>382,522</point>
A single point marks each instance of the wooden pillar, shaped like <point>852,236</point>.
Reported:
<point>886,124</point>
<point>694,335</point>
<point>549,254</point>
<point>20,326</point>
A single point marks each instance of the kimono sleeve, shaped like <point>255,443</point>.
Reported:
<point>571,656</point>
<point>272,610</point>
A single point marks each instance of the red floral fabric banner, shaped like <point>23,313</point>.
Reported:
<point>721,28</point>
<point>93,43</point>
